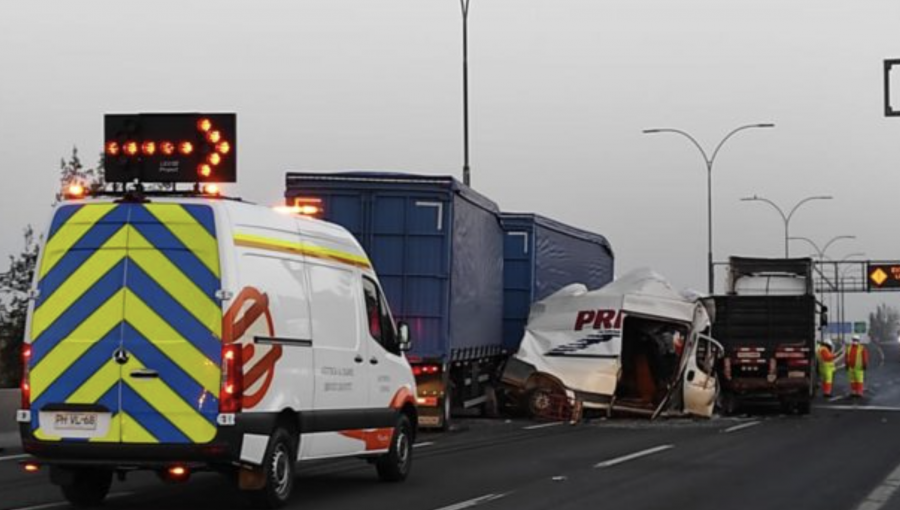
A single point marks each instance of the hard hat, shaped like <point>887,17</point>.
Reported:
<point>828,342</point>
<point>856,338</point>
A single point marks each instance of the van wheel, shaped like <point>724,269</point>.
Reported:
<point>544,400</point>
<point>88,487</point>
<point>278,466</point>
<point>394,466</point>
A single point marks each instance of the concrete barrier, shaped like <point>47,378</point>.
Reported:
<point>9,403</point>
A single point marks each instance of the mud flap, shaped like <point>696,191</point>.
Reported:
<point>251,479</point>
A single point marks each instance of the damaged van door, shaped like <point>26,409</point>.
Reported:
<point>698,387</point>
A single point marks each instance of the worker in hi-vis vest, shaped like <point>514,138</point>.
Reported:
<point>857,362</point>
<point>825,354</point>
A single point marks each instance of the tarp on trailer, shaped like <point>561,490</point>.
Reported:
<point>541,256</point>
<point>437,247</point>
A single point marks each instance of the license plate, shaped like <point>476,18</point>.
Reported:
<point>75,421</point>
<point>796,374</point>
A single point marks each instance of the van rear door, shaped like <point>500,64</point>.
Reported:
<point>172,326</point>
<point>125,331</point>
<point>75,326</point>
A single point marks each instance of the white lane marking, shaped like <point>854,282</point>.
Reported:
<point>633,456</point>
<point>15,457</point>
<point>880,495</point>
<point>861,408</point>
<point>65,504</point>
<point>474,502</point>
<point>426,443</point>
<point>742,426</point>
<point>542,425</point>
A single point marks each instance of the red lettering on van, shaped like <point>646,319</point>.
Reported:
<point>599,319</point>
<point>584,317</point>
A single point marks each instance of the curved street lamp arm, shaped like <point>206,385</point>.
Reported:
<point>805,200</point>
<point>811,243</point>
<point>689,137</point>
<point>732,133</point>
<point>755,198</point>
<point>834,240</point>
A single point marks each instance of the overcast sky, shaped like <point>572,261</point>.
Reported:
<point>560,91</point>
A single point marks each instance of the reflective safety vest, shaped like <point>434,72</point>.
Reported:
<point>857,357</point>
<point>826,363</point>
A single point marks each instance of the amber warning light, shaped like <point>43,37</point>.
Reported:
<point>311,207</point>
<point>170,147</point>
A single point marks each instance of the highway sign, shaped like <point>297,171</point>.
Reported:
<point>883,276</point>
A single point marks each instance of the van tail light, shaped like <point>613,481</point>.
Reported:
<point>727,366</point>
<point>232,392</point>
<point>26,377</point>
<point>425,369</point>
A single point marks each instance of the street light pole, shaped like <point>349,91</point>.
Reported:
<point>821,252</point>
<point>710,161</point>
<point>464,5</point>
<point>785,217</point>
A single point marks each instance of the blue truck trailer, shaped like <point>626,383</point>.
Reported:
<point>541,256</point>
<point>437,246</point>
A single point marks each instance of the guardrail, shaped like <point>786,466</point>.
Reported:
<point>9,403</point>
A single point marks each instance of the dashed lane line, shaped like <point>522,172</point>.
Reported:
<point>742,426</point>
<point>881,495</point>
<point>542,425</point>
<point>15,457</point>
<point>474,502</point>
<point>860,408</point>
<point>633,456</point>
<point>423,444</point>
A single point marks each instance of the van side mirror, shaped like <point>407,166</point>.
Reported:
<point>405,342</point>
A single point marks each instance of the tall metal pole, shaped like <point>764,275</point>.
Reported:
<point>709,229</point>
<point>464,5</point>
<point>709,160</point>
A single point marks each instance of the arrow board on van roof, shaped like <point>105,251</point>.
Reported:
<point>170,147</point>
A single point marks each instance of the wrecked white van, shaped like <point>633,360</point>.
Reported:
<point>634,346</point>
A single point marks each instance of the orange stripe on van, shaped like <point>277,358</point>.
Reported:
<point>264,243</point>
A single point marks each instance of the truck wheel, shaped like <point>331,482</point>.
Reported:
<point>394,466</point>
<point>88,487</point>
<point>278,466</point>
<point>446,411</point>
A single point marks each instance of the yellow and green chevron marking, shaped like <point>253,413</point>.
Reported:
<point>141,277</point>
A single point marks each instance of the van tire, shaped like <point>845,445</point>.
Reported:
<point>88,487</point>
<point>279,466</point>
<point>540,399</point>
<point>395,465</point>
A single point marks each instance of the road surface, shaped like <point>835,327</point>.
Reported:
<point>846,455</point>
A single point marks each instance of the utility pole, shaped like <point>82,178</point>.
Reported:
<point>464,5</point>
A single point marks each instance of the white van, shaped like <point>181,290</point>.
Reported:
<point>189,333</point>
<point>635,346</point>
